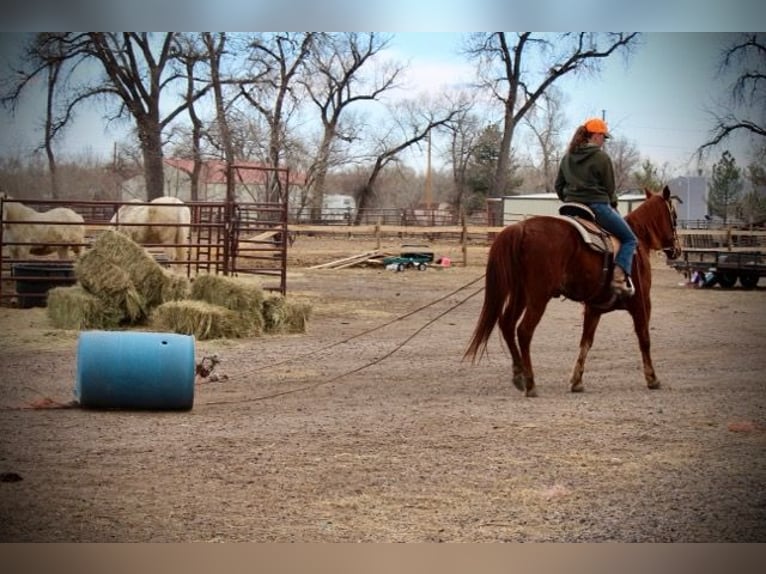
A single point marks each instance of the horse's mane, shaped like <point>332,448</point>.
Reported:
<point>647,219</point>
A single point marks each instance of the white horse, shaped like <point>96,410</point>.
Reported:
<point>22,224</point>
<point>167,221</point>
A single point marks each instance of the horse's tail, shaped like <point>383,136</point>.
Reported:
<point>498,287</point>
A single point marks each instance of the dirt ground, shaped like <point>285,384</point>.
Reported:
<point>369,427</point>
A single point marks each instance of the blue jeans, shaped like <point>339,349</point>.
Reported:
<point>611,220</point>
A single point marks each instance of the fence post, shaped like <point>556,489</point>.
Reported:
<point>464,238</point>
<point>377,233</point>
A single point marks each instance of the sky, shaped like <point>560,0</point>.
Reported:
<point>660,99</point>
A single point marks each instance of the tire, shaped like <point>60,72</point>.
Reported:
<point>400,266</point>
<point>726,279</point>
<point>422,266</point>
<point>748,280</point>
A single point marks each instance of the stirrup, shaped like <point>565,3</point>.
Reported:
<point>624,288</point>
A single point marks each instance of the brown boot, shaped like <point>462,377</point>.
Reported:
<point>620,283</point>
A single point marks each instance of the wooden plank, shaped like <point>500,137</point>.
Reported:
<point>263,236</point>
<point>353,259</point>
<point>352,263</point>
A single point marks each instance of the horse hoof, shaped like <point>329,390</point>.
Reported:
<point>530,393</point>
<point>518,383</point>
<point>653,385</point>
<point>578,388</point>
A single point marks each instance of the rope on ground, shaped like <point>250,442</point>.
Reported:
<point>251,371</point>
<point>371,363</point>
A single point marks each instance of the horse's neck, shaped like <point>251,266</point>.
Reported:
<point>640,229</point>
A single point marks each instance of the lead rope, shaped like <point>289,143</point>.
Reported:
<point>366,365</point>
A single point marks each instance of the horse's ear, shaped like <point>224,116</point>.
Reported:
<point>648,192</point>
<point>666,193</point>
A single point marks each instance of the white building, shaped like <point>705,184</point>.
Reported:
<point>693,193</point>
<point>338,207</point>
<point>519,207</point>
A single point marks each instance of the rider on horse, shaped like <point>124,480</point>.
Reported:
<point>586,176</point>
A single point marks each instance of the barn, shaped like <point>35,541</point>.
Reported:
<point>251,181</point>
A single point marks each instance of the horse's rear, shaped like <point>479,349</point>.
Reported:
<point>54,231</point>
<point>166,221</point>
<point>529,263</point>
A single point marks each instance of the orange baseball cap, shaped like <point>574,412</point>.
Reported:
<point>597,126</point>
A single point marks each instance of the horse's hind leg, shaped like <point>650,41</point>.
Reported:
<point>590,322</point>
<point>507,325</point>
<point>526,329</point>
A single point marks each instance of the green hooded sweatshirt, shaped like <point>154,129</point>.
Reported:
<point>586,175</point>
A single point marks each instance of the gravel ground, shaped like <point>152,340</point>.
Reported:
<point>369,427</point>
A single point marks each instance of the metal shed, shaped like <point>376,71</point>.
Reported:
<point>519,207</point>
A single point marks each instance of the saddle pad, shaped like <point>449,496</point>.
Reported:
<point>593,234</point>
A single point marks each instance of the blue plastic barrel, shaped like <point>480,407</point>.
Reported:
<point>131,370</point>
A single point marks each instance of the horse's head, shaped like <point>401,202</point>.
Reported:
<point>665,223</point>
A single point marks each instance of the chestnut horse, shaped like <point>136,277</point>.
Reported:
<point>543,257</point>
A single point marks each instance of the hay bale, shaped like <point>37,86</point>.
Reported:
<point>241,296</point>
<point>111,283</point>
<point>281,315</point>
<point>125,276</point>
<point>230,292</point>
<point>201,319</point>
<point>74,308</point>
<point>175,287</point>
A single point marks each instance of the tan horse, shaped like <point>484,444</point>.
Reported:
<point>55,231</point>
<point>165,221</point>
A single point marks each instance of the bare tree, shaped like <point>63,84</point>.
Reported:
<point>138,70</point>
<point>544,120</point>
<point>746,58</point>
<point>271,88</point>
<point>412,125</point>
<point>504,70</point>
<point>339,63</point>
<point>625,157</point>
<point>214,44</point>
<point>464,136</point>
<point>43,55</point>
<point>190,53</point>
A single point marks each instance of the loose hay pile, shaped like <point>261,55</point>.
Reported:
<point>120,284</point>
<point>124,275</point>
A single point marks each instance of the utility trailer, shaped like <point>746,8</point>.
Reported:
<point>412,256</point>
<point>723,267</point>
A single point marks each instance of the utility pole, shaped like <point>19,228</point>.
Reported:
<point>428,195</point>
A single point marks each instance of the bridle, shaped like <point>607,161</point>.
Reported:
<point>672,251</point>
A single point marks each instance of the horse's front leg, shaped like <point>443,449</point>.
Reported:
<point>590,322</point>
<point>641,326</point>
